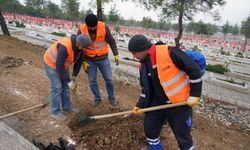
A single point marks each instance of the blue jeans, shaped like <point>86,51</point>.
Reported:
<point>59,91</point>
<point>105,69</point>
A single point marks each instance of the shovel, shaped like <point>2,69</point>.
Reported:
<point>93,118</point>
<point>43,104</point>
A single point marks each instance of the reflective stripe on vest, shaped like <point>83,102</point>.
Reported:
<point>178,88</point>
<point>174,81</point>
<point>100,47</point>
<point>52,57</point>
<point>196,80</point>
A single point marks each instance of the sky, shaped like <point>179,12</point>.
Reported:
<point>234,11</point>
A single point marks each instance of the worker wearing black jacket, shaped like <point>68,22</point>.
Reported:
<point>167,75</point>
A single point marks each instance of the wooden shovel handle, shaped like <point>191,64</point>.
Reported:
<point>24,110</point>
<point>142,110</point>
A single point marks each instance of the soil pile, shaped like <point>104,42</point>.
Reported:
<point>116,133</point>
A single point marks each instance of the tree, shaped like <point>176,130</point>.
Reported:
<point>10,5</point>
<point>245,30</point>
<point>99,4</point>
<point>147,22</point>
<point>226,29</point>
<point>3,24</point>
<point>182,9</point>
<point>114,15</point>
<point>36,4</point>
<point>82,15</point>
<point>175,27</point>
<point>162,25</point>
<point>235,30</point>
<point>192,27</point>
<point>53,10</point>
<point>71,8</point>
<point>131,21</point>
<point>202,28</point>
<point>212,29</point>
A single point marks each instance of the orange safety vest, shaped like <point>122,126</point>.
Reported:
<point>174,81</point>
<point>100,46</point>
<point>51,53</point>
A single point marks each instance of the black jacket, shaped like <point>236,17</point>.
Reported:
<point>62,56</point>
<point>152,93</point>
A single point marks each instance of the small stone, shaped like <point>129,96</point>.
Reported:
<point>229,107</point>
<point>107,141</point>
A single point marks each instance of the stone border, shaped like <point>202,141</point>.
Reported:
<point>238,75</point>
<point>238,88</point>
<point>226,99</point>
<point>239,61</point>
<point>41,38</point>
<point>21,140</point>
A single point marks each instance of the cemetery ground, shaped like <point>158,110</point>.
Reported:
<point>24,84</point>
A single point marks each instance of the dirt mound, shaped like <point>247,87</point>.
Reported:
<point>112,134</point>
<point>11,62</point>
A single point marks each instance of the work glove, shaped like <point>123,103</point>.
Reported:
<point>137,111</point>
<point>85,66</point>
<point>116,58</point>
<point>193,101</point>
<point>72,85</point>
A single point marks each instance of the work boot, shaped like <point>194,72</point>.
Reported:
<point>59,116</point>
<point>72,110</point>
<point>96,102</point>
<point>113,102</point>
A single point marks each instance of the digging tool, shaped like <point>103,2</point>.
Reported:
<point>93,118</point>
<point>43,104</point>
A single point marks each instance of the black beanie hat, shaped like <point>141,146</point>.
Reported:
<point>139,43</point>
<point>91,20</point>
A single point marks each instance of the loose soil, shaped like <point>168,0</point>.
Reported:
<point>24,84</point>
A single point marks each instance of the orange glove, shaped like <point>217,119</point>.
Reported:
<point>137,111</point>
<point>193,101</point>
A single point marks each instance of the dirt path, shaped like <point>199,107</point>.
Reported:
<point>24,84</point>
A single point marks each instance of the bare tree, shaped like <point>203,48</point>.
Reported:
<point>182,9</point>
<point>3,24</point>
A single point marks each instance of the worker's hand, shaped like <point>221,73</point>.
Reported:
<point>72,85</point>
<point>193,101</point>
<point>137,111</point>
<point>116,58</point>
<point>85,66</point>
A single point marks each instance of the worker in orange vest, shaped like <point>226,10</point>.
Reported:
<point>58,57</point>
<point>167,75</point>
<point>97,56</point>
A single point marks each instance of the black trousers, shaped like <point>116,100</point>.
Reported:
<point>179,119</point>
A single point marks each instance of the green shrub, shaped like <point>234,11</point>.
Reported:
<point>20,24</point>
<point>59,34</point>
<point>117,28</point>
<point>240,55</point>
<point>217,68</point>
